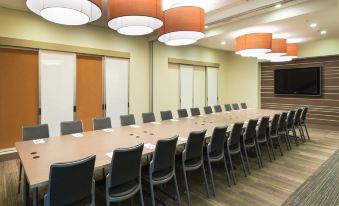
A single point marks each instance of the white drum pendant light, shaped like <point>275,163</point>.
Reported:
<point>66,12</point>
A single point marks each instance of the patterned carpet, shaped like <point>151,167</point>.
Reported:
<point>321,189</point>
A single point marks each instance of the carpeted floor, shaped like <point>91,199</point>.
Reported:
<point>320,189</point>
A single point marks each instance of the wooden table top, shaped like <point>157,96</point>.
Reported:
<point>37,158</point>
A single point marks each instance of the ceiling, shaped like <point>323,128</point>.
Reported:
<point>228,18</point>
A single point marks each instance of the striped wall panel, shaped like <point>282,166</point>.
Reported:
<point>323,109</point>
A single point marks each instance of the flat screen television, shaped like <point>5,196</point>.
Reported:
<point>298,81</point>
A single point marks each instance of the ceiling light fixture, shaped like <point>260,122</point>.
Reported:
<point>279,48</point>
<point>223,43</point>
<point>183,25</point>
<point>206,26</point>
<point>253,45</point>
<point>75,12</point>
<point>277,6</point>
<point>135,17</point>
<point>313,25</point>
<point>291,53</point>
<point>323,32</point>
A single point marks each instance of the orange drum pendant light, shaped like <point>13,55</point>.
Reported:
<point>67,12</point>
<point>291,53</point>
<point>135,17</point>
<point>183,25</point>
<point>279,48</point>
<point>254,44</point>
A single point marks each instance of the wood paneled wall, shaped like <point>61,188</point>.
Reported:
<point>323,109</point>
<point>19,94</point>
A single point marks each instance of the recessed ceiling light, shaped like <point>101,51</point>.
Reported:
<point>277,6</point>
<point>223,43</point>
<point>206,26</point>
<point>313,25</point>
<point>323,32</point>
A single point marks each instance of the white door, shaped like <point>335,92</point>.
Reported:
<point>186,86</point>
<point>212,86</point>
<point>199,87</point>
<point>57,88</point>
<point>116,88</point>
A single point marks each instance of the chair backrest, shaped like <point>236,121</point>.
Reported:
<point>182,113</point>
<point>195,111</point>
<point>250,132</point>
<point>243,105</point>
<point>102,123</point>
<point>274,124</point>
<point>148,117</point>
<point>125,166</point>
<point>217,108</point>
<point>194,145</point>
<point>35,132</point>
<point>228,107</point>
<point>262,128</point>
<point>71,127</point>
<point>164,155</point>
<point>297,116</point>
<point>166,115</point>
<point>233,141</point>
<point>235,106</point>
<point>126,120</point>
<point>304,114</point>
<point>216,145</point>
<point>208,110</point>
<point>290,119</point>
<point>71,183</point>
<point>282,122</point>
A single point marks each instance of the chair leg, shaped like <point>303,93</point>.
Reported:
<point>186,185</point>
<point>286,140</point>
<point>20,175</point>
<point>295,136</point>
<point>177,189</point>
<point>141,197</point>
<point>258,157</point>
<point>206,183</point>
<point>248,163</point>
<point>308,136</point>
<point>301,132</point>
<point>211,175</point>
<point>279,144</point>
<point>232,170</point>
<point>152,193</point>
<point>268,151</point>
<point>243,164</point>
<point>227,174</point>
<point>271,142</point>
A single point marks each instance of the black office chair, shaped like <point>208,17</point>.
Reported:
<point>216,153</point>
<point>262,137</point>
<point>217,108</point>
<point>208,110</point>
<point>195,111</point>
<point>297,124</point>
<point>248,141</point>
<point>192,158</point>
<point>182,113</point>
<point>148,117</point>
<point>303,121</point>
<point>126,120</point>
<point>243,105</point>
<point>124,178</point>
<point>102,123</point>
<point>71,127</point>
<point>273,133</point>
<point>71,183</point>
<point>233,147</point>
<point>166,115</point>
<point>235,106</point>
<point>162,166</point>
<point>228,107</point>
<point>282,129</point>
<point>32,133</point>
<point>290,126</point>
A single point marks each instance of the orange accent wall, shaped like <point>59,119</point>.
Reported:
<point>19,94</point>
<point>88,89</point>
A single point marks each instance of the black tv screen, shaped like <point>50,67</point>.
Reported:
<point>299,81</point>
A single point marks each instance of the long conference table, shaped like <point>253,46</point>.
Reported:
<point>37,156</point>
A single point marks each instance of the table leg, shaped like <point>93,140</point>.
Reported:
<point>26,192</point>
<point>35,197</point>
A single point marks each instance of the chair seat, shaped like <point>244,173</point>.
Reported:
<point>158,176</point>
<point>124,189</point>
